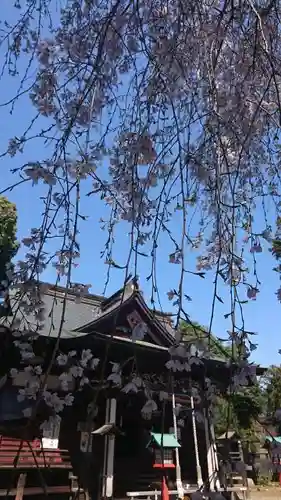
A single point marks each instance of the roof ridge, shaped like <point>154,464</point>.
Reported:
<point>102,298</point>
<point>70,291</point>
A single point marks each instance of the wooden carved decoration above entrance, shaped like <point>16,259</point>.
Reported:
<point>134,319</point>
<point>139,328</point>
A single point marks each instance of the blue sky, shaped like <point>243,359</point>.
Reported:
<point>261,316</point>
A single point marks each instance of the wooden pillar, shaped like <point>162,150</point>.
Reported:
<point>104,474</point>
<point>210,465</point>
<point>20,487</point>
<point>178,467</point>
<point>196,449</point>
<point>109,448</point>
<point>215,452</point>
<point>212,459</point>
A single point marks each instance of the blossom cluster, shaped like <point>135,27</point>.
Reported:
<point>162,109</point>
<point>73,368</point>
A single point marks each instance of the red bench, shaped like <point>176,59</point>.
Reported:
<point>34,490</point>
<point>29,454</point>
<point>25,456</point>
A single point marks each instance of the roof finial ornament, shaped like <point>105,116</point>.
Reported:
<point>132,282</point>
<point>135,282</point>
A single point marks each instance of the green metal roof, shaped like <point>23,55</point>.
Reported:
<point>275,438</point>
<point>165,440</point>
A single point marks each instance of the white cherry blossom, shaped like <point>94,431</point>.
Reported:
<point>149,408</point>
<point>86,356</point>
<point>94,363</point>
<point>62,359</point>
<point>115,378</point>
<point>130,387</point>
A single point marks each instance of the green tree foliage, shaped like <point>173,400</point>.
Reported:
<point>238,412</point>
<point>272,391</point>
<point>272,382</point>
<point>193,332</point>
<point>8,228</point>
<point>8,247</point>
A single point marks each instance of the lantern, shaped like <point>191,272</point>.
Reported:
<point>163,459</point>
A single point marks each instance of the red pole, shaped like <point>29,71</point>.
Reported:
<point>165,490</point>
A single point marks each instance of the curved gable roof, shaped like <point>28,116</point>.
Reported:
<point>131,294</point>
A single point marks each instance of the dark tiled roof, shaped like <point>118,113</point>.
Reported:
<point>79,312</point>
<point>76,313</point>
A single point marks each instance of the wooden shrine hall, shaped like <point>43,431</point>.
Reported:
<point>106,445</point>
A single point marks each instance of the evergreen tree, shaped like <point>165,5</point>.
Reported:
<point>8,248</point>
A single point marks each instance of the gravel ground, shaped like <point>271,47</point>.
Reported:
<point>266,494</point>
